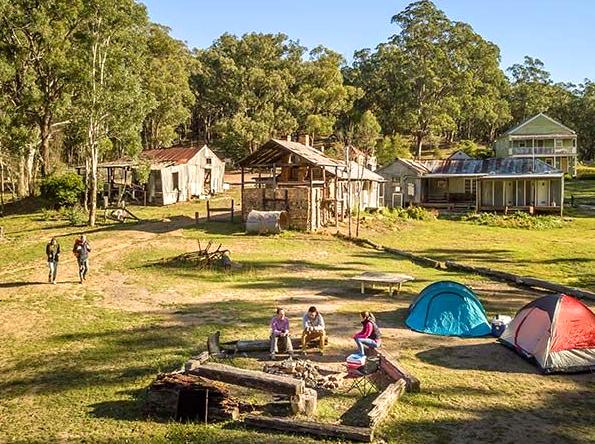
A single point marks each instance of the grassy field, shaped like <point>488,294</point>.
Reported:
<point>75,359</point>
<point>564,254</point>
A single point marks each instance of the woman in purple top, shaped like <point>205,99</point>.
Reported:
<point>280,333</point>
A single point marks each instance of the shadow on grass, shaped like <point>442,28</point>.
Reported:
<point>119,357</point>
<point>490,356</point>
<point>556,416</point>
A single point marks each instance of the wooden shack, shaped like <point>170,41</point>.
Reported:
<point>176,174</point>
<point>313,188</point>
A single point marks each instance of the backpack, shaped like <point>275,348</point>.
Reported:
<point>376,334</point>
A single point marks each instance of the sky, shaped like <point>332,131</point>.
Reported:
<point>561,33</point>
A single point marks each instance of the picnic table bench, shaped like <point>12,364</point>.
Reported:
<point>390,279</point>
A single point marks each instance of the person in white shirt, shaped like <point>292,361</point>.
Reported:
<point>314,329</point>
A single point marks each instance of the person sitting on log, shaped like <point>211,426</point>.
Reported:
<point>370,333</point>
<point>314,329</point>
<point>280,333</point>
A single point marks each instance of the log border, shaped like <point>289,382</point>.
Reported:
<point>526,281</point>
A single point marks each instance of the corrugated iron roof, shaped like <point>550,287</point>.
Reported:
<point>177,155</point>
<point>357,172</point>
<point>509,166</point>
<point>273,151</point>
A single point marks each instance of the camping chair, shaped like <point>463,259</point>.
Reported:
<point>363,378</point>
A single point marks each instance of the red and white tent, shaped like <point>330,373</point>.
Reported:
<point>557,331</point>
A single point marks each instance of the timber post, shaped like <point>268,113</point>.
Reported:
<point>232,205</point>
<point>242,193</point>
<point>208,212</point>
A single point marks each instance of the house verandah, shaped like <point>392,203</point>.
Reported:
<point>313,188</point>
<point>483,185</point>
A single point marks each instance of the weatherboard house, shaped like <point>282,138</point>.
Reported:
<point>512,183</point>
<point>176,174</point>
<point>540,137</point>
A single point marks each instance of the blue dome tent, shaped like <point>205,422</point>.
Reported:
<point>448,309</point>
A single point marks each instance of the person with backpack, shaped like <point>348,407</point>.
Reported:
<point>52,251</point>
<point>81,251</point>
<point>370,333</point>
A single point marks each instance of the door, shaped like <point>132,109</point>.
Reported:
<point>509,198</point>
<point>543,188</point>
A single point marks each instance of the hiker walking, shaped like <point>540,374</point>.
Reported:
<point>370,333</point>
<point>52,251</point>
<point>81,250</point>
<point>314,329</point>
<point>280,333</point>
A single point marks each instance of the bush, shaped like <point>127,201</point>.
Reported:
<point>516,220</point>
<point>474,150</point>
<point>75,215</point>
<point>414,213</point>
<point>63,190</point>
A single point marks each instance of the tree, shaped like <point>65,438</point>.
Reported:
<point>367,132</point>
<point>391,147</point>
<point>166,81</point>
<point>530,89</point>
<point>41,35</point>
<point>435,77</point>
<point>110,104</point>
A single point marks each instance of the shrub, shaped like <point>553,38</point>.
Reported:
<point>474,150</point>
<point>75,215</point>
<point>516,220</point>
<point>63,190</point>
<point>414,213</point>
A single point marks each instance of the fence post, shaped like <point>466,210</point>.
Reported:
<point>196,217</point>
<point>232,210</point>
<point>208,212</point>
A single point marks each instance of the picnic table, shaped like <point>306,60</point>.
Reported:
<point>390,279</point>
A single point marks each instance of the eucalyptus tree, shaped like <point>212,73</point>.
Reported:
<point>40,34</point>
<point>166,82</point>
<point>110,104</point>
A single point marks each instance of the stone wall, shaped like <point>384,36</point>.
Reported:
<point>294,200</point>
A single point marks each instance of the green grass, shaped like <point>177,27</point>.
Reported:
<point>75,360</point>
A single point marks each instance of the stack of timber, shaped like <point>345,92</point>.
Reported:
<point>294,200</point>
<point>187,397</point>
<point>303,400</point>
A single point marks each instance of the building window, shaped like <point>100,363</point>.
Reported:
<point>559,143</point>
<point>175,178</point>
<point>522,144</point>
<point>209,161</point>
<point>470,185</point>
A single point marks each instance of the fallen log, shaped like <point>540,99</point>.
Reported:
<point>383,402</point>
<point>393,368</point>
<point>257,345</point>
<point>483,271</point>
<point>250,378</point>
<point>361,434</point>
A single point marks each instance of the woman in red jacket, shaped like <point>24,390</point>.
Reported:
<point>369,334</point>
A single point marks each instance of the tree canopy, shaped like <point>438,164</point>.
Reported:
<point>86,81</point>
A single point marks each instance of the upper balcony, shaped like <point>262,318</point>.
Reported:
<point>542,151</point>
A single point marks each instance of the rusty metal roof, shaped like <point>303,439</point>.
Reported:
<point>509,166</point>
<point>178,155</point>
